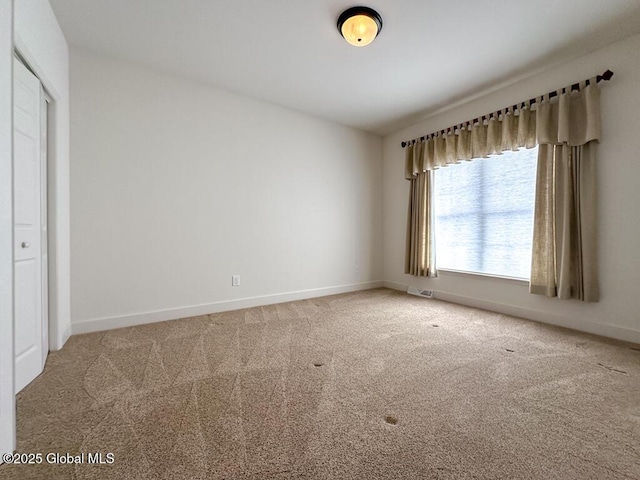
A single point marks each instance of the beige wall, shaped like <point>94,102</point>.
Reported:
<point>616,314</point>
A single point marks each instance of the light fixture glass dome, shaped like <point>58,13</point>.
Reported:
<point>359,25</point>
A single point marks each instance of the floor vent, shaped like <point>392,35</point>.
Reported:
<point>420,293</point>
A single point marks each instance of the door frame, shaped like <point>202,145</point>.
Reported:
<point>44,210</point>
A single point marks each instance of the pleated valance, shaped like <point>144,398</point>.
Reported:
<point>545,122</point>
<point>507,130</point>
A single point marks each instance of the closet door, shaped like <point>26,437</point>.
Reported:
<point>27,216</point>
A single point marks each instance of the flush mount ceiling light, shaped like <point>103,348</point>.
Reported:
<point>359,25</point>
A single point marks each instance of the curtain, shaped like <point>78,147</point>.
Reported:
<point>508,129</point>
<point>564,262</point>
<point>564,240</point>
<point>420,251</point>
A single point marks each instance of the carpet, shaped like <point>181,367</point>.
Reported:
<point>367,385</point>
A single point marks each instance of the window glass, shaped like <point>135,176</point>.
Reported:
<point>484,214</point>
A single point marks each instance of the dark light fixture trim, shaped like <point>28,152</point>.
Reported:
<point>356,11</point>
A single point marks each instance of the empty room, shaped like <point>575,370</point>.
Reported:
<point>319,240</point>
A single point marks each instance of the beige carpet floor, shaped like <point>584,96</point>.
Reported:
<point>367,385</point>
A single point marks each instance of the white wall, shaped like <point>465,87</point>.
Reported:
<point>7,398</point>
<point>617,314</point>
<point>176,186</point>
<point>40,41</point>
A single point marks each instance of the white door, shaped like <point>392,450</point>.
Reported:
<point>30,316</point>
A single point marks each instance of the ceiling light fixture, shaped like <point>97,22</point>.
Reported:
<point>359,25</point>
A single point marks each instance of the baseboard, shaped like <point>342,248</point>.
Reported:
<point>395,286</point>
<point>108,323</point>
<point>610,331</point>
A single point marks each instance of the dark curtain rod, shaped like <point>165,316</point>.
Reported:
<point>576,86</point>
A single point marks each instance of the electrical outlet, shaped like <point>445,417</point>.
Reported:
<point>235,280</point>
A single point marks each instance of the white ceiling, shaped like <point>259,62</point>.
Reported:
<point>289,52</point>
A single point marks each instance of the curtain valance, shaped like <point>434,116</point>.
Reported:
<point>504,130</point>
<point>574,119</point>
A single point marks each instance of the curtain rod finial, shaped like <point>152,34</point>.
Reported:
<point>607,75</point>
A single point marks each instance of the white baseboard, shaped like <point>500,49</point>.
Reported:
<point>395,286</point>
<point>108,323</point>
<point>610,331</point>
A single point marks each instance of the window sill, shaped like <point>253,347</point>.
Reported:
<point>462,273</point>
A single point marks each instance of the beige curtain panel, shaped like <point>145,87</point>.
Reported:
<point>419,250</point>
<point>564,262</point>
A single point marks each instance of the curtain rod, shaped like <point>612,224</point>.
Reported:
<point>576,86</point>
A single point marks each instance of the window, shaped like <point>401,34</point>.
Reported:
<point>484,214</point>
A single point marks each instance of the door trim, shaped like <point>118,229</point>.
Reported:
<point>44,219</point>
